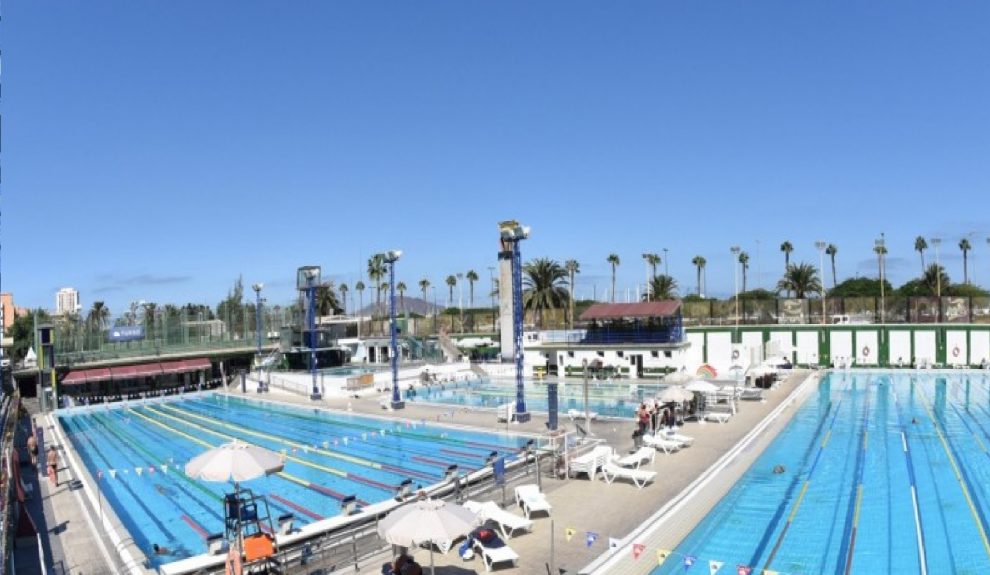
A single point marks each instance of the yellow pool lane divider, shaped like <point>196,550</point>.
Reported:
<point>231,426</point>
<point>959,478</point>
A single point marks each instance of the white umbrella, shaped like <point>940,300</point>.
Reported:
<point>235,461</point>
<point>677,377</point>
<point>427,521</point>
<point>701,386</point>
<point>674,394</point>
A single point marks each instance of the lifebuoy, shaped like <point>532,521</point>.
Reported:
<point>955,351</point>
<point>735,354</point>
<point>866,351</point>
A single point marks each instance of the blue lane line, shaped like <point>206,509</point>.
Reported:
<point>848,546</point>
<point>919,530</point>
<point>964,470</point>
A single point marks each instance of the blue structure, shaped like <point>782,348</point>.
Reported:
<point>513,233</point>
<point>308,278</point>
<point>390,258</point>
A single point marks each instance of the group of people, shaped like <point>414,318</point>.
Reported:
<point>51,459</point>
<point>650,417</point>
<point>403,565</point>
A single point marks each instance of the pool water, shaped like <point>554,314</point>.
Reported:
<point>884,473</point>
<point>605,399</point>
<point>138,453</point>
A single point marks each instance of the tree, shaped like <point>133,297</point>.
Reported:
<point>22,332</point>
<point>936,279</point>
<point>787,248</point>
<point>613,260</point>
<point>359,287</point>
<point>98,316</point>
<point>860,287</point>
<point>424,285</point>
<point>920,245</point>
<point>830,251</point>
<point>326,300</point>
<point>662,287</point>
<point>401,288</point>
<point>744,262</point>
<point>572,267</point>
<point>451,282</point>
<point>543,287</point>
<point>471,276</point>
<point>801,279</point>
<point>965,247</point>
<point>699,264</point>
<point>376,271</point>
<point>343,289</point>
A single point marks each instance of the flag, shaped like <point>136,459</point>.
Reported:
<point>638,550</point>
<point>590,538</point>
<point>113,473</point>
<point>569,532</point>
<point>743,570</point>
<point>99,475</point>
<point>770,572</point>
<point>613,543</point>
<point>714,566</point>
<point>138,470</point>
<point>164,468</point>
<point>151,469</point>
<point>689,561</point>
<point>662,555</point>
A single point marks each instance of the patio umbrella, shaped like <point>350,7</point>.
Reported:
<point>236,461</point>
<point>701,386</point>
<point>674,394</point>
<point>427,521</point>
<point>677,377</point>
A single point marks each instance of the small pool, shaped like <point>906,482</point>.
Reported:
<point>884,472</point>
<point>138,454</point>
<point>605,399</point>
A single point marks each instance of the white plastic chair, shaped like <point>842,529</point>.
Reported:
<point>508,523</point>
<point>531,500</point>
<point>639,477</point>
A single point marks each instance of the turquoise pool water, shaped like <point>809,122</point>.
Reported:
<point>138,454</point>
<point>885,473</point>
<point>606,399</point>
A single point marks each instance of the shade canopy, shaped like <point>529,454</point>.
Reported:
<point>674,394</point>
<point>701,386</point>
<point>235,461</point>
<point>677,377</point>
<point>427,521</point>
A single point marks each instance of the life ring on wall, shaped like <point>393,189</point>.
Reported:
<point>735,354</point>
<point>866,351</point>
<point>955,351</point>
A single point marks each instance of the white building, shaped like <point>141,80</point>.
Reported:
<point>67,301</point>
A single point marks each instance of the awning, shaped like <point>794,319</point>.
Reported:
<point>172,366</point>
<point>81,376</point>
<point>124,371</point>
<point>646,309</point>
<point>148,369</point>
<point>200,363</point>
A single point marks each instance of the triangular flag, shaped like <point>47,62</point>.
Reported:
<point>590,538</point>
<point>743,570</point>
<point>164,467</point>
<point>113,473</point>
<point>99,475</point>
<point>638,549</point>
<point>714,566</point>
<point>662,555</point>
<point>151,469</point>
<point>364,436</point>
<point>345,441</point>
<point>383,432</point>
<point>569,532</point>
<point>613,542</point>
<point>326,444</point>
<point>138,470</point>
<point>770,572</point>
<point>689,561</point>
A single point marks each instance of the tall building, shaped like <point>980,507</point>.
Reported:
<point>7,309</point>
<point>67,301</point>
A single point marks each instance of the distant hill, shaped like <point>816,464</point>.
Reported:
<point>411,304</point>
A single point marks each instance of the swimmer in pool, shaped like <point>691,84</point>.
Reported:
<point>778,469</point>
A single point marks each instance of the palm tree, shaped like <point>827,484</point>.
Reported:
<point>880,250</point>
<point>451,282</point>
<point>424,285</point>
<point>801,279</point>
<point>662,287</point>
<point>699,263</point>
<point>933,274</point>
<point>920,245</point>
<point>542,287</point>
<point>787,248</point>
<point>326,299</point>
<point>830,251</point>
<point>376,271</point>
<point>359,286</point>
<point>343,296</point>
<point>653,260</point>
<point>471,276</point>
<point>744,262</point>
<point>613,260</point>
<point>98,316</point>
<point>572,267</point>
<point>965,247</point>
<point>401,288</point>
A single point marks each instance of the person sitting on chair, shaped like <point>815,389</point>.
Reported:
<point>159,550</point>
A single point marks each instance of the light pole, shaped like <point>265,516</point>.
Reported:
<point>821,245</point>
<point>735,250</point>
<point>881,247</point>
<point>257,319</point>
<point>512,233</point>
<point>666,267</point>
<point>646,258</point>
<point>938,279</point>
<point>460,298</point>
<point>307,279</point>
<point>587,418</point>
<point>390,258</point>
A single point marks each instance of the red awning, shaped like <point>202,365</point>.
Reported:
<point>81,376</point>
<point>173,366</point>
<point>644,309</point>
<point>197,364</point>
<point>123,371</point>
<point>148,369</point>
<point>76,377</point>
<point>98,374</point>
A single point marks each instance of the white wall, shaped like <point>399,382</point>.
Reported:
<point>720,351</point>
<point>807,347</point>
<point>956,352</point>
<point>840,342</point>
<point>695,353</point>
<point>924,346</point>
<point>753,340</point>
<point>867,348</point>
<point>900,347</point>
<point>783,342</point>
<point>979,347</point>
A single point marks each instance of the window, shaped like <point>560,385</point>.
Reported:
<point>667,354</point>
<point>654,353</point>
<point>600,353</point>
<point>570,354</point>
<point>619,353</point>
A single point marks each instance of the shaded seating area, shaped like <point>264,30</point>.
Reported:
<point>642,322</point>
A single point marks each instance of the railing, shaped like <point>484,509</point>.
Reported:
<point>8,519</point>
<point>623,336</point>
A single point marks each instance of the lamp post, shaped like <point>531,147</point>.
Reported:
<point>881,247</point>
<point>821,245</point>
<point>307,279</point>
<point>390,258</point>
<point>646,258</point>
<point>491,280</point>
<point>512,233</point>
<point>460,298</point>
<point>938,279</point>
<point>735,250</point>
<point>257,319</point>
<point>666,267</point>
<point>587,418</point>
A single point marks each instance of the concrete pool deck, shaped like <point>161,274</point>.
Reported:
<point>610,511</point>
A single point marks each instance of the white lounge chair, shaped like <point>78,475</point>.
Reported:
<point>639,457</point>
<point>504,412</point>
<point>639,477</point>
<point>493,555</point>
<point>686,440</point>
<point>590,462</point>
<point>577,414</point>
<point>507,522</point>
<point>751,393</point>
<point>529,498</point>
<point>718,416</point>
<point>668,446</point>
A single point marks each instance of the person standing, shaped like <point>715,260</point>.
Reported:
<point>32,445</point>
<point>52,466</point>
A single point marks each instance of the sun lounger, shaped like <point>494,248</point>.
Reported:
<point>639,477</point>
<point>639,457</point>
<point>577,414</point>
<point>529,498</point>
<point>667,445</point>
<point>504,412</point>
<point>686,440</point>
<point>718,417</point>
<point>495,551</point>
<point>590,462</point>
<point>507,522</point>
<point>751,393</point>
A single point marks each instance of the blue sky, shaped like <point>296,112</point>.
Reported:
<point>157,150</point>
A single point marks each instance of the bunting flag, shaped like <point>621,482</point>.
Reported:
<point>637,549</point>
<point>383,432</point>
<point>127,471</point>
<point>770,572</point>
<point>138,470</point>
<point>151,469</point>
<point>662,555</point>
<point>364,436</point>
<point>569,533</point>
<point>335,441</point>
<point>345,441</point>
<point>99,475</point>
<point>326,445</point>
<point>113,474</point>
<point>374,434</point>
<point>590,538</point>
<point>613,543</point>
<point>714,566</point>
<point>164,468</point>
<point>743,570</point>
<point>689,561</point>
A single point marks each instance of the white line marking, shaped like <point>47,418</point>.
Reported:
<point>917,531</point>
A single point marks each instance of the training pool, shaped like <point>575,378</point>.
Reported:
<point>138,452</point>
<point>885,472</point>
<point>605,399</point>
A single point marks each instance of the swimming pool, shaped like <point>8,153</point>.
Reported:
<point>883,473</point>
<point>606,399</point>
<point>138,453</point>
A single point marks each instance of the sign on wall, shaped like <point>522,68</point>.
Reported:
<point>125,333</point>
